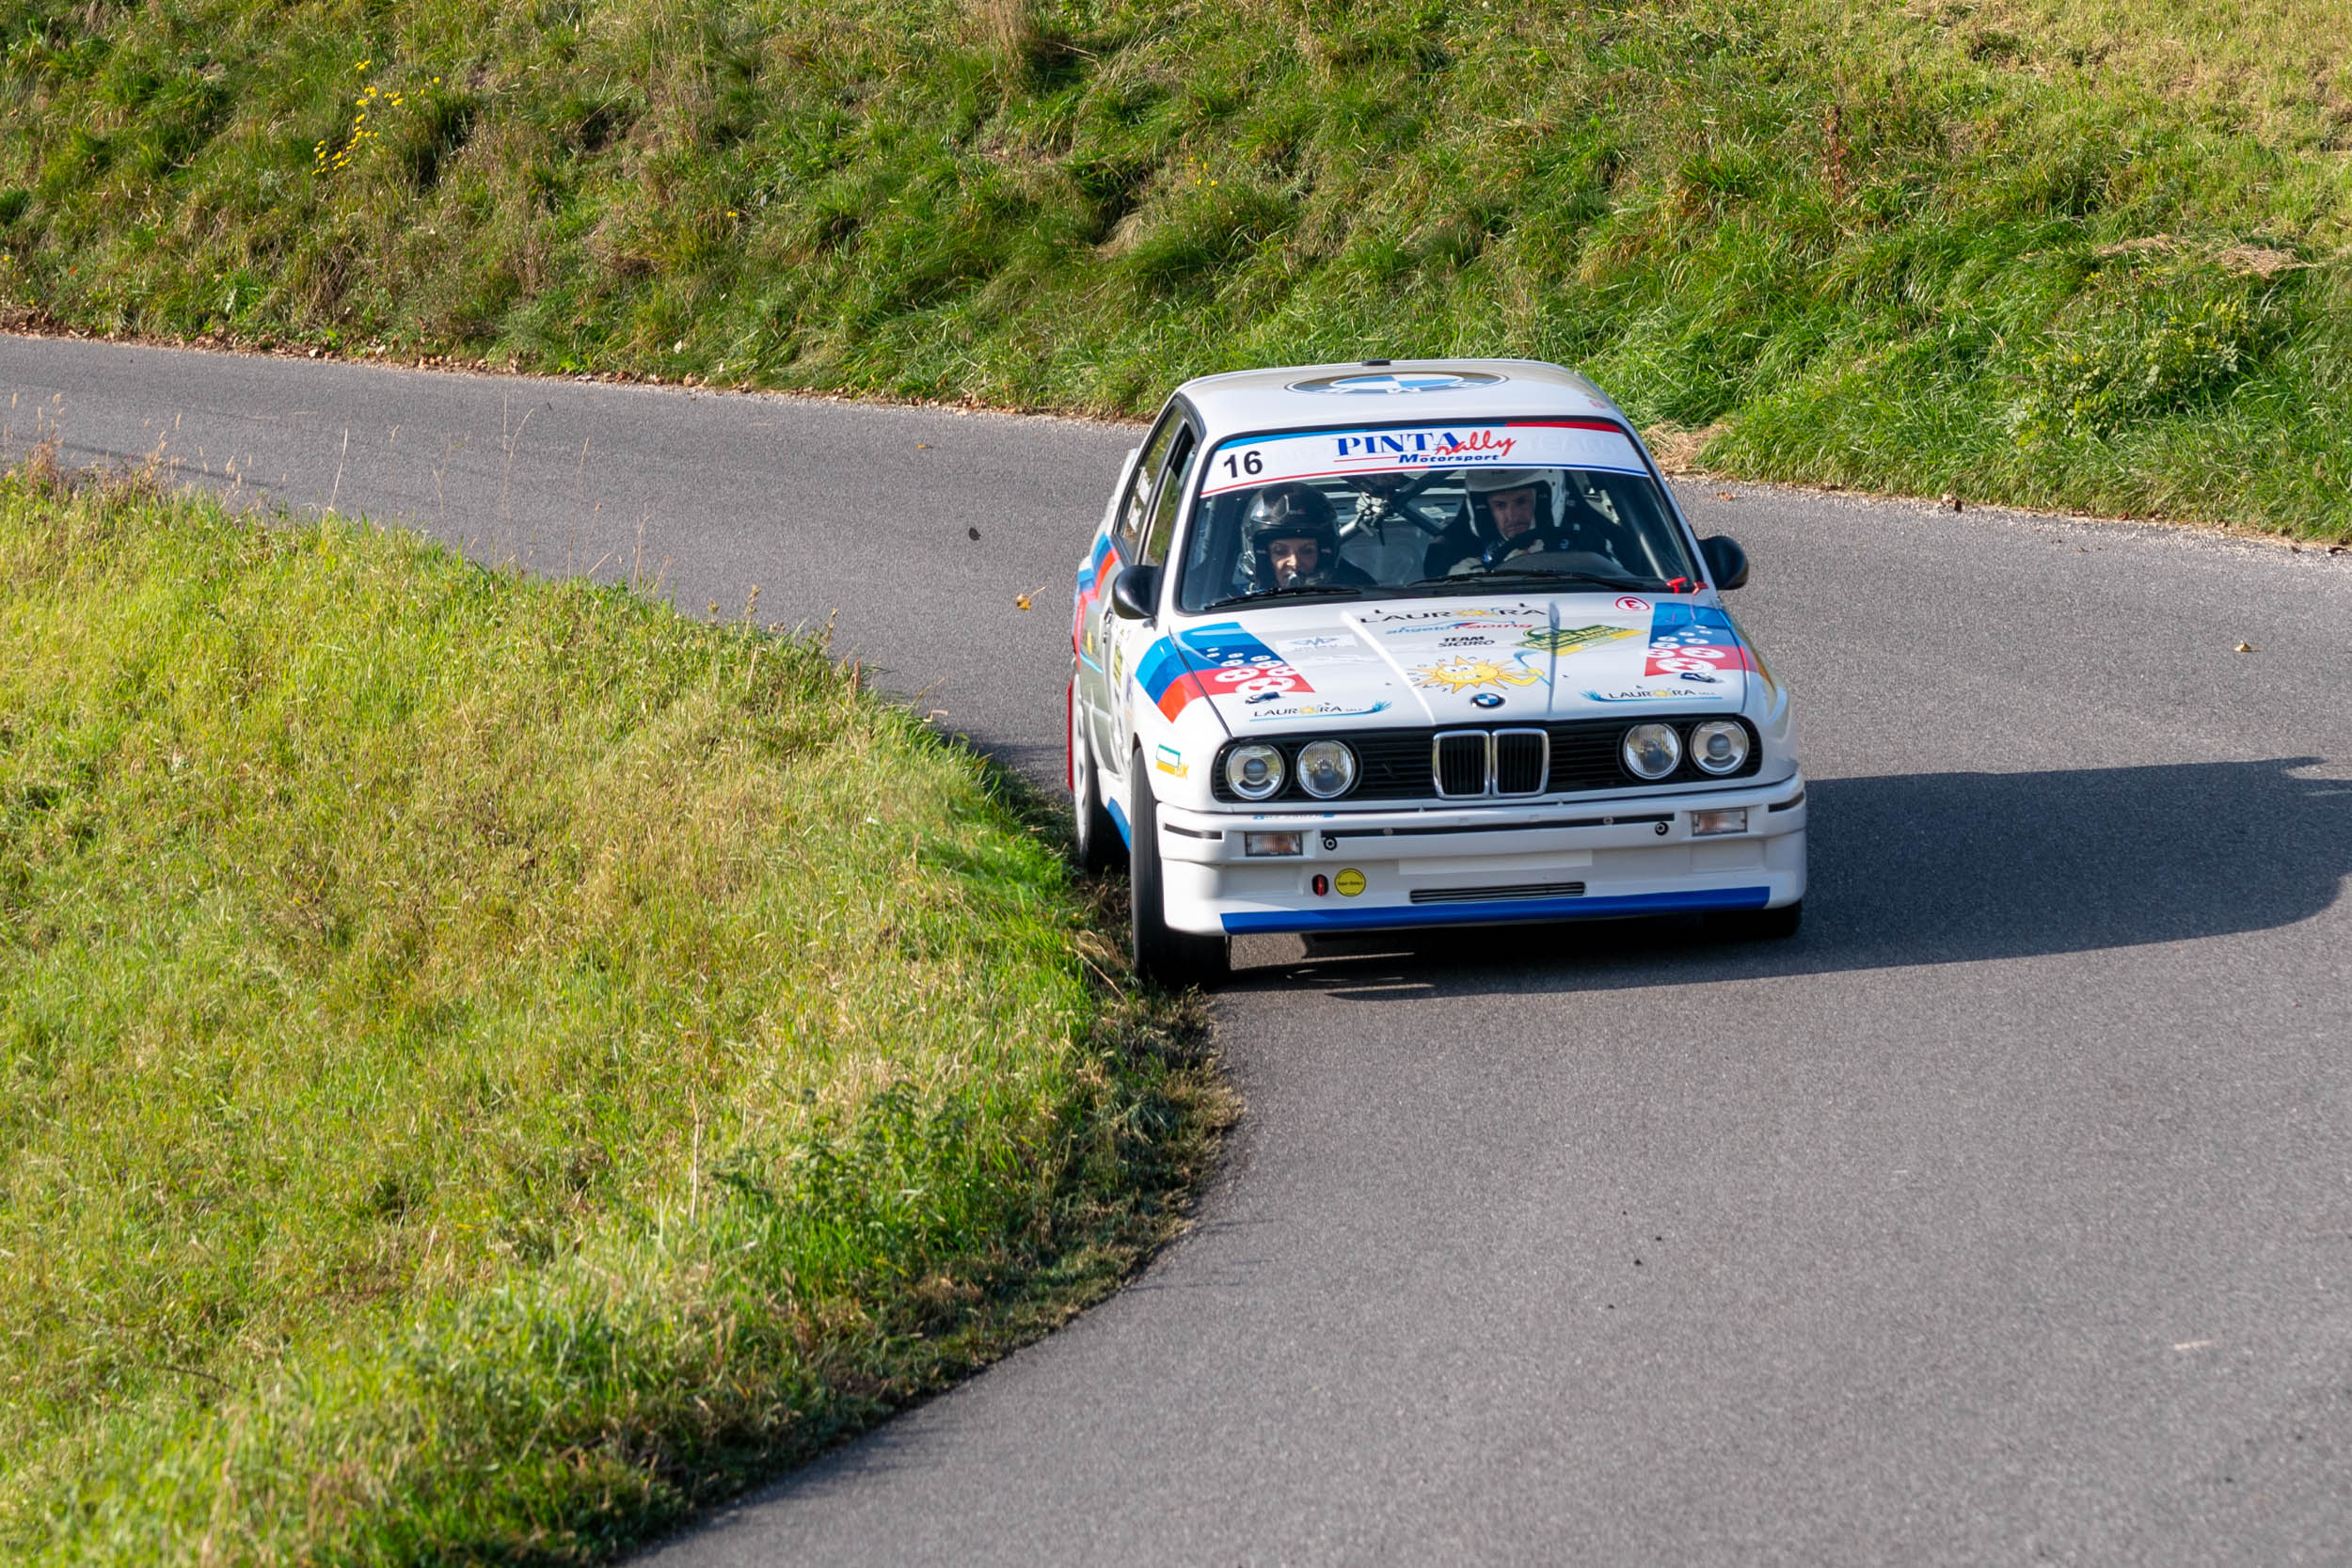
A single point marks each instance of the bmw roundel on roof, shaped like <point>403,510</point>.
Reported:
<point>1392,383</point>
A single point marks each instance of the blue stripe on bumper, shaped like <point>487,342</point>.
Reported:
<point>1120,818</point>
<point>1396,916</point>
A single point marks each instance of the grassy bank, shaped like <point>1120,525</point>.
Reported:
<point>485,1065</point>
<point>2083,255</point>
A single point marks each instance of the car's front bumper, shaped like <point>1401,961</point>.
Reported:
<point>1573,859</point>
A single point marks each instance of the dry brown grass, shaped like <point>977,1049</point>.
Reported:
<point>2281,68</point>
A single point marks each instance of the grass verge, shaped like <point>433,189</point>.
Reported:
<point>2065,255</point>
<point>488,1065</point>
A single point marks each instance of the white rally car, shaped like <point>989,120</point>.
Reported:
<point>1372,646</point>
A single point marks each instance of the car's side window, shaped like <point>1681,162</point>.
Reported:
<point>1171,490</point>
<point>1133,512</point>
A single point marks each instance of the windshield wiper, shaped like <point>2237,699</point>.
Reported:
<point>1304,591</point>
<point>1525,574</point>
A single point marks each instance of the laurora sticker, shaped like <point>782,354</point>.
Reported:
<point>1650,694</point>
<point>1317,710</point>
<point>1451,619</point>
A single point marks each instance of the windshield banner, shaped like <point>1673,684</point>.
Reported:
<point>1503,444</point>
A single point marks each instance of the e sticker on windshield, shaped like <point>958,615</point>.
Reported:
<point>1506,443</point>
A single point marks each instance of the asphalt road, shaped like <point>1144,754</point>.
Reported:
<point>2005,1215</point>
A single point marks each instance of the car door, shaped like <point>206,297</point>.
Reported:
<point>1091,677</point>
<point>1098,682</point>
<point>1155,528</point>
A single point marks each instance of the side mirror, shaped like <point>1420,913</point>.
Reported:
<point>1727,562</point>
<point>1136,593</point>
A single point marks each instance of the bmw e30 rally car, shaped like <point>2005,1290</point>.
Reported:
<point>1373,647</point>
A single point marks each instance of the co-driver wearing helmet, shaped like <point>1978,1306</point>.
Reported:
<point>1291,539</point>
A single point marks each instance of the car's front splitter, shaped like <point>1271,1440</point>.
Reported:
<point>1399,916</point>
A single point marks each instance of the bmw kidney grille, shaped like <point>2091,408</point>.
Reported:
<point>1459,761</point>
<point>1522,759</point>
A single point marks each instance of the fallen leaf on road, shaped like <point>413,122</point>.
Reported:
<point>2241,648</point>
<point>1021,601</point>
<point>973,534</point>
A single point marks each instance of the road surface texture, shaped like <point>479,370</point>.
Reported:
<point>2004,1215</point>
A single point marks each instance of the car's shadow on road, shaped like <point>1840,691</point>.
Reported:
<point>1934,869</point>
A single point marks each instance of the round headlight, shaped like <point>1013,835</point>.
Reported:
<point>1719,746</point>
<point>1326,769</point>
<point>1652,751</point>
<point>1254,771</point>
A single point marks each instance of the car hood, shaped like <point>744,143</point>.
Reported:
<point>1415,662</point>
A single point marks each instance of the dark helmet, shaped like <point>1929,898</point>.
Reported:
<point>1292,510</point>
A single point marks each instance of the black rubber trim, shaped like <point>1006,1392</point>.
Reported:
<point>1394,765</point>
<point>1498,827</point>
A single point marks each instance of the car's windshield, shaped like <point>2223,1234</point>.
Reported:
<point>1396,512</point>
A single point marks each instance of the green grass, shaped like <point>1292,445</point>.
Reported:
<point>2087,256</point>
<point>488,1065</point>
<point>2045,254</point>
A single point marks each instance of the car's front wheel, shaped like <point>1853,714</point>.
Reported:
<point>1096,834</point>
<point>1171,958</point>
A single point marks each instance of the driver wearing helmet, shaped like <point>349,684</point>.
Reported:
<point>1291,539</point>
<point>1510,514</point>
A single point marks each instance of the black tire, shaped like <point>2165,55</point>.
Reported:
<point>1172,958</point>
<point>1096,836</point>
<point>1757,924</point>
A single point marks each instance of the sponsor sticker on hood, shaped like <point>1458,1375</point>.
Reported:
<point>1412,662</point>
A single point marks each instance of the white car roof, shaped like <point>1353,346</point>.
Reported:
<point>1381,391</point>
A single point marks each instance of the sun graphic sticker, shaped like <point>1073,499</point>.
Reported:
<point>1468,675</point>
<point>1568,640</point>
